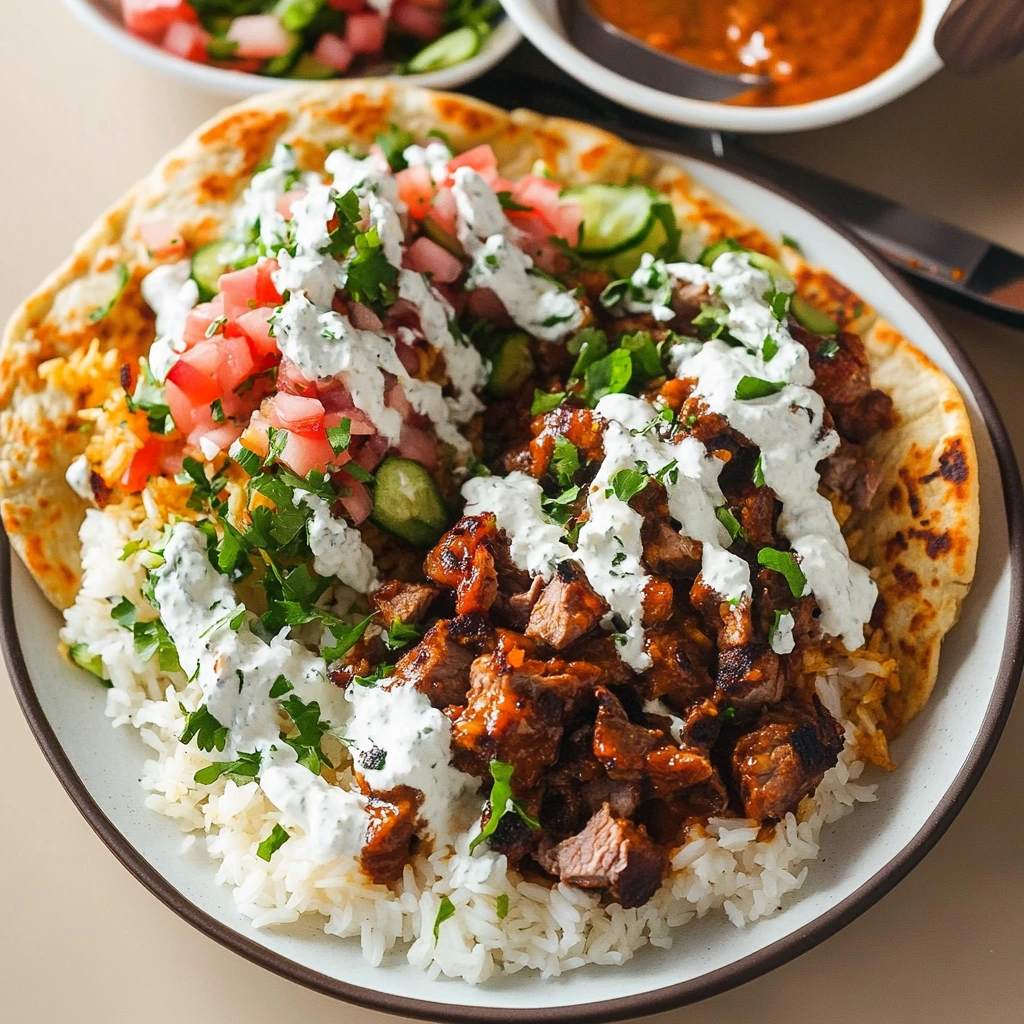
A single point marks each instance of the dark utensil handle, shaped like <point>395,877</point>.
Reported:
<point>975,36</point>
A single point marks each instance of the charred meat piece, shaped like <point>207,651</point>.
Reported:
<point>860,420</point>
<point>463,561</point>
<point>516,714</point>
<point>622,796</point>
<point>518,607</point>
<point>748,671</point>
<point>365,655</point>
<point>403,602</point>
<point>785,757</point>
<point>853,474</point>
<point>513,837</point>
<point>437,666</point>
<point>658,602</point>
<point>392,825</point>
<point>610,853</point>
<point>567,609</point>
<point>757,514</point>
<point>680,653</point>
<point>687,300</point>
<point>670,553</point>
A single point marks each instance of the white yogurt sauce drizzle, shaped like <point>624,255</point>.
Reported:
<point>171,293</point>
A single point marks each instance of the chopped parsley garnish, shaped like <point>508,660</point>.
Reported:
<point>152,638</point>
<point>394,142</point>
<point>626,483</point>
<point>245,457</point>
<point>379,673</point>
<point>209,734</point>
<point>784,562</point>
<point>280,687</point>
<point>340,436</point>
<point>122,276</point>
<point>758,475</point>
<point>791,242</point>
<point>769,348</point>
<point>609,375</point>
<point>501,800</point>
<point>277,838</point>
<point>828,348</point>
<point>749,388</point>
<point>370,277</point>
<point>124,613</point>
<point>444,911</point>
<point>712,322</point>
<point>778,302</point>
<point>216,326</point>
<point>557,508</point>
<point>565,461</point>
<point>349,216</point>
<point>84,658</point>
<point>243,770</point>
<point>217,411</point>
<point>588,346</point>
<point>731,523</point>
<point>728,715</point>
<point>277,441</point>
<point>501,906</point>
<point>400,634</point>
<point>310,731</point>
<point>644,356</point>
<point>544,401</point>
<point>206,491</point>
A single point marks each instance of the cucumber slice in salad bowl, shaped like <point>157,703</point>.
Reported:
<point>238,49</point>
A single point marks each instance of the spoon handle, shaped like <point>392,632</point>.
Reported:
<point>975,36</point>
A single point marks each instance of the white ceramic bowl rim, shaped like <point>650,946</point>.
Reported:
<point>104,23</point>
<point>919,62</point>
<point>664,998</point>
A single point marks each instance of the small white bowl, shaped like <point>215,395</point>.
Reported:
<point>541,24</point>
<point>104,18</point>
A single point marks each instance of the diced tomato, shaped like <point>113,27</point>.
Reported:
<point>407,354</point>
<point>395,397</point>
<point>417,20</point>
<point>266,291</point>
<point>144,464</point>
<point>238,287</point>
<point>186,40</point>
<point>428,257</point>
<point>222,436</point>
<point>298,414</point>
<point>363,318</point>
<point>359,424</point>
<point>418,444</point>
<point>260,36</point>
<point>291,379</point>
<point>182,408</point>
<point>444,210</point>
<point>284,203</point>
<point>197,381</point>
<point>371,452</point>
<point>365,32</point>
<point>200,319</point>
<point>358,503</point>
<point>151,18</point>
<point>348,6</point>
<point>236,362</point>
<point>416,189</point>
<point>256,325</point>
<point>162,237</point>
<point>480,158</point>
<point>304,453</point>
<point>333,51</point>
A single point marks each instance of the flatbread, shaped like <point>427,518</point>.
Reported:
<point>921,539</point>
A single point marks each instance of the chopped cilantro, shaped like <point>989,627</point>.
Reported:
<point>124,613</point>
<point>277,838</point>
<point>501,906</point>
<point>209,734</point>
<point>644,356</point>
<point>277,441</point>
<point>216,326</point>
<point>608,376</point>
<point>310,731</point>
<point>784,562</point>
<point>340,436</point>
<point>758,474</point>
<point>750,388</point>
<point>791,242</point>
<point>399,634</point>
<point>501,800</point>
<point>768,348</point>
<point>370,277</point>
<point>728,715</point>
<point>243,770</point>
<point>394,142</point>
<point>280,687</point>
<point>544,401</point>
<point>588,346</point>
<point>778,301</point>
<point>565,460</point>
<point>827,349</point>
<point>217,411</point>
<point>626,483</point>
<point>245,457</point>
<point>444,911</point>
<point>731,523</point>
<point>379,673</point>
<point>614,293</point>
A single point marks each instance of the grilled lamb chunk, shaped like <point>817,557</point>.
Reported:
<point>610,853</point>
<point>679,658</point>
<point>785,757</point>
<point>403,602</point>
<point>670,553</point>
<point>850,472</point>
<point>513,837</point>
<point>757,514</point>
<point>518,607</point>
<point>516,715</point>
<point>567,609</point>
<point>702,725</point>
<point>437,666</point>
<point>621,795</point>
<point>390,831</point>
<point>687,300</point>
<point>463,561</point>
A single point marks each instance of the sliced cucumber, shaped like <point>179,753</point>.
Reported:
<point>713,251</point>
<point>208,263</point>
<point>626,262</point>
<point>770,266</point>
<point>813,319</point>
<point>615,217</point>
<point>295,15</point>
<point>511,365</point>
<point>307,66</point>
<point>407,502</point>
<point>446,52</point>
<point>278,67</point>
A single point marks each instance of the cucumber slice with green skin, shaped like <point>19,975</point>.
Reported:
<point>770,266</point>
<point>307,66</point>
<point>615,217</point>
<point>278,67</point>
<point>626,262</point>
<point>813,319</point>
<point>713,251</point>
<point>295,15</point>
<point>446,52</point>
<point>208,263</point>
<point>511,365</point>
<point>407,503</point>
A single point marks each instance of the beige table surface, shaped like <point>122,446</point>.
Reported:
<point>82,942</point>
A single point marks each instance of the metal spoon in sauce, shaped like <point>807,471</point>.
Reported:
<point>634,59</point>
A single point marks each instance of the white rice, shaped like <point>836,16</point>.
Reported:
<point>551,930</point>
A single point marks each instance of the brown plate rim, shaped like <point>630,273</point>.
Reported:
<point>669,997</point>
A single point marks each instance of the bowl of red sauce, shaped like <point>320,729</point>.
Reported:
<point>826,60</point>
